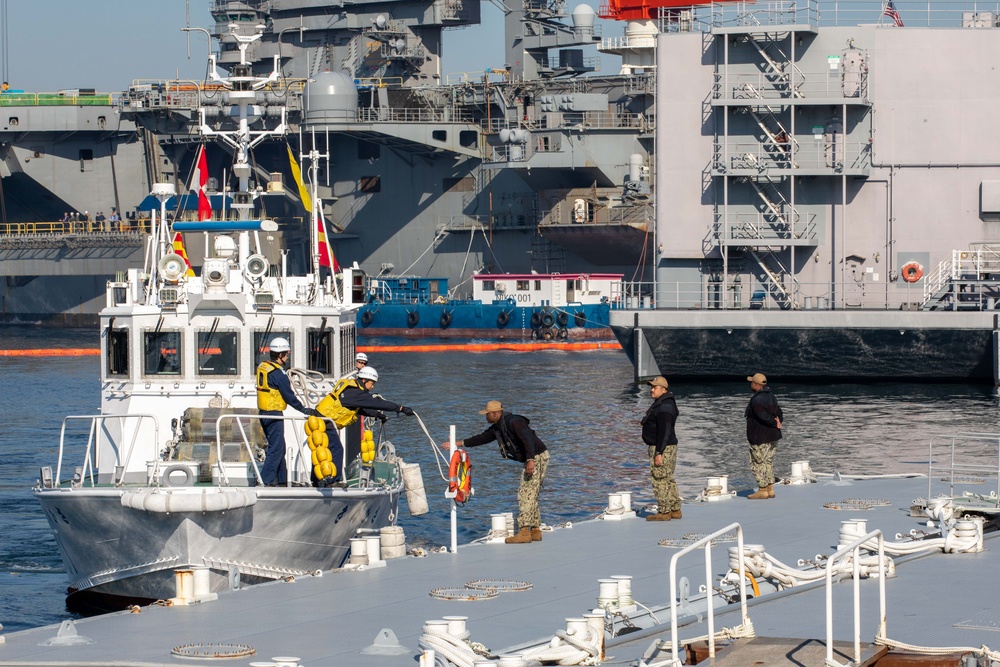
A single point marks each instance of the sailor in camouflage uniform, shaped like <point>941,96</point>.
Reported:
<point>518,442</point>
<point>658,434</point>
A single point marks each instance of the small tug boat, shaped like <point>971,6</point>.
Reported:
<point>536,306</point>
<point>167,477</point>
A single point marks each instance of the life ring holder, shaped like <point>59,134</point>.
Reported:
<point>460,476</point>
<point>912,272</point>
<point>165,476</point>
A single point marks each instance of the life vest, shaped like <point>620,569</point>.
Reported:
<point>331,407</point>
<point>268,398</point>
<point>460,476</point>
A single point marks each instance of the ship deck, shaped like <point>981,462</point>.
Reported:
<point>934,600</point>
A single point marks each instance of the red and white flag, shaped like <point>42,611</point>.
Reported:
<point>200,182</point>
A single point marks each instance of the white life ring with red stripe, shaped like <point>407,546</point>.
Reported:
<point>460,476</point>
<point>912,272</point>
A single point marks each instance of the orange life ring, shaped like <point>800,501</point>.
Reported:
<point>912,272</point>
<point>460,476</point>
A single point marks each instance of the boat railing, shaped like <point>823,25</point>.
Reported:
<point>63,99</point>
<point>96,428</point>
<point>301,462</point>
<point>706,543</point>
<point>764,87</point>
<point>854,549</point>
<point>969,457</point>
<point>718,291</point>
<point>829,154</point>
<point>140,227</point>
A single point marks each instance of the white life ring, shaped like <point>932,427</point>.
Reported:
<point>188,480</point>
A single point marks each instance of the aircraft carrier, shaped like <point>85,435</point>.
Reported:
<point>540,164</point>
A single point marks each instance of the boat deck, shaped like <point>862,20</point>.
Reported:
<point>935,600</point>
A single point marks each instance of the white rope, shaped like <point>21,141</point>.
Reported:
<point>743,631</point>
<point>456,650</point>
<point>567,649</point>
<point>983,651</point>
<point>435,240</point>
<point>301,379</point>
<point>439,456</point>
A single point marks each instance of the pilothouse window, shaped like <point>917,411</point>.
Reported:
<point>162,353</point>
<point>320,351</point>
<point>117,352</point>
<point>218,353</point>
<point>262,345</point>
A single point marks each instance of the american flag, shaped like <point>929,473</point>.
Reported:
<point>890,11</point>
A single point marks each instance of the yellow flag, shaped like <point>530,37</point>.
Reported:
<point>297,175</point>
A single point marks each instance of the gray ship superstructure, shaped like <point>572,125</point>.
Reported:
<point>537,164</point>
<point>827,194</point>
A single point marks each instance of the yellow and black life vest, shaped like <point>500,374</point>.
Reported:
<point>268,398</point>
<point>331,408</point>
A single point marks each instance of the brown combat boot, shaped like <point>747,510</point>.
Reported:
<point>536,534</point>
<point>658,517</point>
<point>676,514</point>
<point>770,491</point>
<point>522,536</point>
<point>763,493</point>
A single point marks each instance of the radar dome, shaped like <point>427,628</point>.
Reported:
<point>331,96</point>
<point>583,16</point>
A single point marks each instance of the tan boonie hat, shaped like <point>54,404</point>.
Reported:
<point>658,381</point>
<point>759,378</point>
<point>492,406</point>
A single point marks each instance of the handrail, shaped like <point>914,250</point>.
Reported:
<point>984,438</point>
<point>302,447</point>
<point>855,548</point>
<point>88,460</point>
<point>707,543</point>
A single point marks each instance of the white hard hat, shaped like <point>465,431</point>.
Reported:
<point>280,345</point>
<point>368,373</point>
<point>361,356</point>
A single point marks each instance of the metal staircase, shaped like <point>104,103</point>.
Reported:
<point>772,281</point>
<point>968,280</point>
<point>780,68</point>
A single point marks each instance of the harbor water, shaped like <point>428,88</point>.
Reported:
<point>583,405</point>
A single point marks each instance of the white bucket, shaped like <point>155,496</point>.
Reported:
<point>374,549</point>
<point>359,551</point>
<point>413,483</point>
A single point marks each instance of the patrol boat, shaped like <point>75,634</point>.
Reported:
<point>167,476</point>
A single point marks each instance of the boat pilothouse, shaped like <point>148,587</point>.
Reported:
<point>167,475</point>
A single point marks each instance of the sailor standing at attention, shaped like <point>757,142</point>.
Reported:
<point>763,415</point>
<point>274,393</point>
<point>658,434</point>
<point>517,442</point>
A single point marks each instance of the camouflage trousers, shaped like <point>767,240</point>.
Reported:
<point>664,486</point>
<point>528,514</point>
<point>761,462</point>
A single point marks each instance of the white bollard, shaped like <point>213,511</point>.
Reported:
<point>202,583</point>
<point>456,626</point>
<point>624,590</point>
<point>359,551</point>
<point>627,501</point>
<point>374,549</point>
<point>184,584</point>
<point>607,595</point>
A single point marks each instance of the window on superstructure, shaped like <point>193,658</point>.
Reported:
<point>320,356</point>
<point>262,345</point>
<point>218,353</point>
<point>523,285</point>
<point>117,351</point>
<point>370,184</point>
<point>538,285</point>
<point>162,353</point>
<point>348,344</point>
<point>489,285</point>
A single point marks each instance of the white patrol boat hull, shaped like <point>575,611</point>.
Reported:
<point>267,533</point>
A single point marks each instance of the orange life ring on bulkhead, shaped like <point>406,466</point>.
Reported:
<point>460,476</point>
<point>912,272</point>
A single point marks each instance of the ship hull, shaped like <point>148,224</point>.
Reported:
<point>476,320</point>
<point>113,550</point>
<point>840,346</point>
